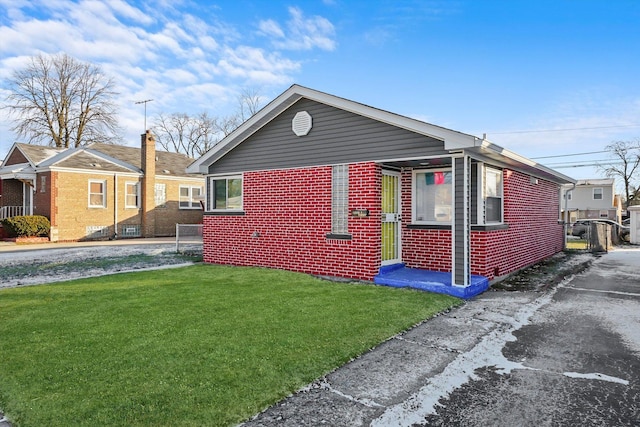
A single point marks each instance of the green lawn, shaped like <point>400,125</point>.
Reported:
<point>200,345</point>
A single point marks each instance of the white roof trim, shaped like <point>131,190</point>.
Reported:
<point>452,139</point>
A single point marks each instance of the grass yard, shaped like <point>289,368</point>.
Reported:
<point>199,345</point>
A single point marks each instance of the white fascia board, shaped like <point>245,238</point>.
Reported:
<point>486,145</point>
<point>91,172</point>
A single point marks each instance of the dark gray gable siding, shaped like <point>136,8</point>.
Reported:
<point>337,136</point>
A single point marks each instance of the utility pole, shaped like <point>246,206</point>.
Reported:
<point>145,111</point>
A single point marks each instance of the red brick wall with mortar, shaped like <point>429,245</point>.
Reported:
<point>42,196</point>
<point>530,210</point>
<point>287,217</point>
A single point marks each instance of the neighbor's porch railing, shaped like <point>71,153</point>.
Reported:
<point>9,211</point>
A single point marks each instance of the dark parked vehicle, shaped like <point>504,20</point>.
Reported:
<point>581,227</point>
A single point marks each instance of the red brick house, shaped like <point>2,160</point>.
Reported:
<point>101,191</point>
<point>324,185</point>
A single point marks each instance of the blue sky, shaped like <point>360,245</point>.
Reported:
<point>541,78</point>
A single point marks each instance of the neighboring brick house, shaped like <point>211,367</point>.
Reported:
<point>323,185</point>
<point>594,199</point>
<point>101,191</point>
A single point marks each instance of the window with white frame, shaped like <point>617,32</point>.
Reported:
<point>160,195</point>
<point>226,193</point>
<point>432,196</point>
<point>190,197</point>
<point>131,195</point>
<point>492,195</point>
<point>340,199</point>
<point>597,193</point>
<point>97,194</point>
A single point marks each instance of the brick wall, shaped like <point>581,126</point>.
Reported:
<point>71,215</point>
<point>531,212</point>
<point>166,217</point>
<point>43,194</point>
<point>287,215</point>
<point>11,193</point>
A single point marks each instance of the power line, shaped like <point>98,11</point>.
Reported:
<point>594,161</point>
<point>562,130</point>
<point>569,155</point>
<point>583,165</point>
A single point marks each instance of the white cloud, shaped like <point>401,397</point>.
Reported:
<point>271,28</point>
<point>182,55</point>
<point>302,33</point>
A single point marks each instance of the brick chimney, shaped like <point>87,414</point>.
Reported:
<point>148,184</point>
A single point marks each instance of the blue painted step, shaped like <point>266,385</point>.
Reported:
<point>399,276</point>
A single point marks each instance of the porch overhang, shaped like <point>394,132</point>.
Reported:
<point>20,172</point>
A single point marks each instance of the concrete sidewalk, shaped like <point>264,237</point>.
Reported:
<point>502,358</point>
<point>368,390</point>
<point>13,247</point>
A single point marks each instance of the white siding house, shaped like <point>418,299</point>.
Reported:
<point>593,199</point>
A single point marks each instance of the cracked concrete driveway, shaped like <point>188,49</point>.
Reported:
<point>568,356</point>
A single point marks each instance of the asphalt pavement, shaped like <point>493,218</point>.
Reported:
<point>569,356</point>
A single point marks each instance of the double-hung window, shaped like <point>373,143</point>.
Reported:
<point>160,195</point>
<point>597,193</point>
<point>190,197</point>
<point>492,195</point>
<point>97,193</point>
<point>432,196</point>
<point>132,195</point>
<point>225,193</point>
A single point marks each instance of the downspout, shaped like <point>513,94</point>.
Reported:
<point>566,213</point>
<point>115,206</point>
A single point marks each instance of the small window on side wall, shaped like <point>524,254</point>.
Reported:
<point>132,195</point>
<point>225,193</point>
<point>97,194</point>
<point>492,196</point>
<point>597,193</point>
<point>190,197</point>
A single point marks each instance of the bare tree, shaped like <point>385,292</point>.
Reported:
<point>249,102</point>
<point>195,135</point>
<point>185,134</point>
<point>62,102</point>
<point>626,166</point>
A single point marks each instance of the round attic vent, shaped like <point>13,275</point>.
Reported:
<point>301,123</point>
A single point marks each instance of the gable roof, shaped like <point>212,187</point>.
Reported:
<point>453,140</point>
<point>99,157</point>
